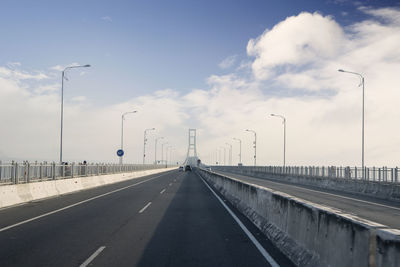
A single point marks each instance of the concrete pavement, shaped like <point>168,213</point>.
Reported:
<point>169,219</point>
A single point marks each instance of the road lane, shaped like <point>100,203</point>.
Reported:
<point>69,237</point>
<point>183,226</point>
<point>383,212</point>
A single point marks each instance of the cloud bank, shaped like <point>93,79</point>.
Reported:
<point>293,72</point>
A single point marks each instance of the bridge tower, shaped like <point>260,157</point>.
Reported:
<point>191,158</point>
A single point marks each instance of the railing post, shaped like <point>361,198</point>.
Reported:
<point>53,166</point>
<point>14,172</point>
<point>396,176</point>
<point>72,169</point>
<point>27,167</point>
<point>41,171</point>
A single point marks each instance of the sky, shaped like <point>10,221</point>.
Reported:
<point>217,66</point>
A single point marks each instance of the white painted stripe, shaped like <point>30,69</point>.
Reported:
<point>260,248</point>
<point>145,207</point>
<point>91,258</point>
<point>316,191</point>
<point>76,204</point>
<point>162,191</point>
<point>170,184</point>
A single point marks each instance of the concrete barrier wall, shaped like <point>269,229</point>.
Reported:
<point>20,193</point>
<point>381,190</point>
<point>310,234</point>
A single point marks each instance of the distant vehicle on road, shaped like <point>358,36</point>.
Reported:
<point>181,168</point>
<point>188,168</point>
<point>208,168</point>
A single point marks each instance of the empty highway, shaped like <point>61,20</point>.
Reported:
<point>167,219</point>
<point>376,210</point>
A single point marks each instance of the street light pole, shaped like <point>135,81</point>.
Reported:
<point>255,145</point>
<point>224,148</point>
<point>162,152</point>
<point>362,124</point>
<point>166,155</point>
<point>62,104</point>
<point>144,143</point>
<point>230,153</point>
<point>240,149</point>
<point>155,149</point>
<point>122,133</point>
<point>284,137</point>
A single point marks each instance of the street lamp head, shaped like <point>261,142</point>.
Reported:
<point>272,114</point>
<point>340,70</point>
<point>87,66</point>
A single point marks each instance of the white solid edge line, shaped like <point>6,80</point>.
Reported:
<point>162,191</point>
<point>260,248</point>
<point>145,207</point>
<point>75,204</point>
<point>91,258</point>
<point>316,191</point>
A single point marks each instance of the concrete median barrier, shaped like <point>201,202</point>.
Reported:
<point>20,193</point>
<point>381,190</point>
<point>310,234</point>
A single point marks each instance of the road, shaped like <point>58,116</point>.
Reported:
<point>376,210</point>
<point>168,219</point>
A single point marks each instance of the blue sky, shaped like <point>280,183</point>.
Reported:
<point>136,47</point>
<point>217,66</point>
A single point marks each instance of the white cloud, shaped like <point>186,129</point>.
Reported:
<point>107,18</point>
<point>296,41</point>
<point>228,62</point>
<point>62,67</point>
<point>294,73</point>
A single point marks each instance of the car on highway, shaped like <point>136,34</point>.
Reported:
<point>180,168</point>
<point>188,168</point>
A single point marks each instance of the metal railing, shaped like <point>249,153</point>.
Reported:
<point>26,172</point>
<point>374,174</point>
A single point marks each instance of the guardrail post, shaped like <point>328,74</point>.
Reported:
<point>41,171</point>
<point>396,174</point>
<point>72,169</point>
<point>14,172</point>
<point>27,167</point>
<point>53,167</point>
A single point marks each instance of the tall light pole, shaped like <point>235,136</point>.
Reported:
<point>155,149</point>
<point>162,151</point>
<point>62,104</point>
<point>224,148</point>
<point>255,145</point>
<point>122,133</point>
<point>144,143</point>
<point>240,149</point>
<point>230,153</point>
<point>166,155</point>
<point>284,136</point>
<point>362,124</point>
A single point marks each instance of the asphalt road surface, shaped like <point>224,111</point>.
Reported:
<point>167,219</point>
<point>370,208</point>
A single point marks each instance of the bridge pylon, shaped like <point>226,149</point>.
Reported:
<point>191,157</point>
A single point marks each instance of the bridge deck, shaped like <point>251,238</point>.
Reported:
<point>169,219</point>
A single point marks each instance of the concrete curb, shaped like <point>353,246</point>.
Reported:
<point>308,233</point>
<point>15,194</point>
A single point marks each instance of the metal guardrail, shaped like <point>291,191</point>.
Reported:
<point>372,174</point>
<point>14,173</point>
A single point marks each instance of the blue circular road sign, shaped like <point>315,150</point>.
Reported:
<point>120,152</point>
